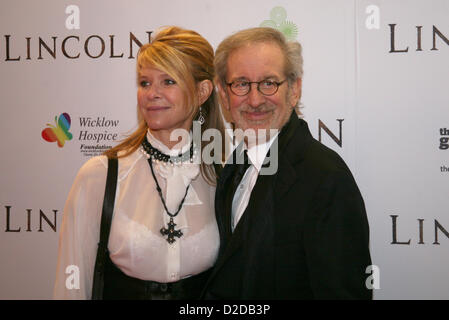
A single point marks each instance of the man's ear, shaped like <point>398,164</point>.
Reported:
<point>295,92</point>
<point>223,96</point>
<point>205,88</point>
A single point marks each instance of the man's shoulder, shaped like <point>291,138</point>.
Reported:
<point>310,154</point>
<point>323,155</point>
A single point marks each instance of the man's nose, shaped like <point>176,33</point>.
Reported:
<point>255,97</point>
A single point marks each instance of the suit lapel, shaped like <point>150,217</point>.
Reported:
<point>254,215</point>
<point>223,198</point>
<point>222,216</point>
<point>257,213</point>
<point>294,140</point>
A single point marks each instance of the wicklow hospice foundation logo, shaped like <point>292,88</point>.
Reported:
<point>60,132</point>
<point>97,134</point>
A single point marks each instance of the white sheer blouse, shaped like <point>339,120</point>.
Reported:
<point>136,245</point>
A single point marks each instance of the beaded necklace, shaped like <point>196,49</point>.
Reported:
<point>154,154</point>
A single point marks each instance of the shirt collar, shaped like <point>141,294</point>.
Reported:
<point>257,153</point>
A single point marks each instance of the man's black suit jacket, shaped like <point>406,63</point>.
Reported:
<point>304,234</point>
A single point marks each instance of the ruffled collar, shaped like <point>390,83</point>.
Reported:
<point>164,149</point>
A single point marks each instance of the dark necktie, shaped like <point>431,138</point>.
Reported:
<point>235,181</point>
<point>240,172</point>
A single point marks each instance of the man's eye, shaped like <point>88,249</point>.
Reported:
<point>241,84</point>
<point>268,83</point>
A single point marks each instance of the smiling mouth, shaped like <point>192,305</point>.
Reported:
<point>257,115</point>
<point>156,108</point>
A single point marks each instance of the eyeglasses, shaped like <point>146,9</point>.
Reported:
<point>243,87</point>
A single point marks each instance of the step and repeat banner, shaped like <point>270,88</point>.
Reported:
<point>375,90</point>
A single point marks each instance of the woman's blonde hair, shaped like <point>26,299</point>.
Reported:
<point>187,57</point>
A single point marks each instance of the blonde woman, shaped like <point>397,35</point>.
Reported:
<point>163,237</point>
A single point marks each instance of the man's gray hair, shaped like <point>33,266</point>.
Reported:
<point>292,51</point>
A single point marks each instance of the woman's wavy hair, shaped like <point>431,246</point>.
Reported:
<point>187,57</point>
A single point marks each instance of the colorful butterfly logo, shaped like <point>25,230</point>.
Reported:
<point>60,132</point>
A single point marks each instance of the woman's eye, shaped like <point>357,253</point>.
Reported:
<point>169,82</point>
<point>144,83</point>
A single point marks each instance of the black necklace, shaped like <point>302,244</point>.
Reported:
<point>151,151</point>
<point>171,233</point>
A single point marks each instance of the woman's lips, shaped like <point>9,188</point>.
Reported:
<point>156,108</point>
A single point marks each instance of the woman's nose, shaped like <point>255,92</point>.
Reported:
<point>152,92</point>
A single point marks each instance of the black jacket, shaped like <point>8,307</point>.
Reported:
<point>304,234</point>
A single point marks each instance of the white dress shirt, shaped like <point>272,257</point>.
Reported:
<point>136,244</point>
<point>256,157</point>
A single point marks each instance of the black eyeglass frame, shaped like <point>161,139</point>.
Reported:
<point>278,83</point>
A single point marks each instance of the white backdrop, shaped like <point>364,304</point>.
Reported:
<point>391,102</point>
